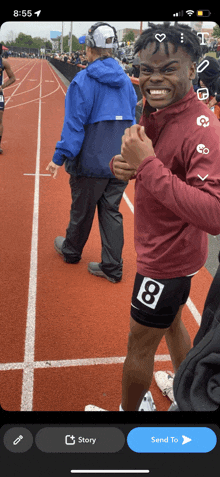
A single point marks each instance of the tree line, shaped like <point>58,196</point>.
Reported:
<point>27,41</point>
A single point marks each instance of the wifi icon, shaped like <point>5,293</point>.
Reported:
<point>190,12</point>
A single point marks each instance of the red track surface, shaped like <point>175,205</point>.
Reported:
<point>50,349</point>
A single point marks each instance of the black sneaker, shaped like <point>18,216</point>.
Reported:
<point>94,269</point>
<point>58,243</point>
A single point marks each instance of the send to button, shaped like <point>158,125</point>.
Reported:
<point>171,439</point>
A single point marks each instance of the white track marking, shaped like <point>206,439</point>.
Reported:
<point>51,69</point>
<point>28,372</point>
<point>33,100</point>
<point>28,91</point>
<point>69,363</point>
<point>15,72</point>
<point>194,311</point>
<point>129,203</point>
<point>19,84</point>
<point>45,175</point>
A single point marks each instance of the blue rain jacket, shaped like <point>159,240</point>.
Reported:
<point>100,104</point>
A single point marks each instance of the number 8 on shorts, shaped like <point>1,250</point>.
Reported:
<point>150,292</point>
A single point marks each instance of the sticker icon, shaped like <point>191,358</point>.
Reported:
<point>160,37</point>
<point>203,121</point>
<point>202,94</point>
<point>202,149</point>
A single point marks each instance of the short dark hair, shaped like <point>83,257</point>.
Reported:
<point>191,43</point>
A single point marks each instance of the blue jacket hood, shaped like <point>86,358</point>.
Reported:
<point>107,71</point>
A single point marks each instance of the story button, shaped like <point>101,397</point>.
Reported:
<point>80,439</point>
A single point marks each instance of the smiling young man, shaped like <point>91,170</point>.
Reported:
<point>175,151</point>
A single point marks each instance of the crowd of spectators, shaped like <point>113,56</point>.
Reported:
<point>75,58</point>
<point>130,66</point>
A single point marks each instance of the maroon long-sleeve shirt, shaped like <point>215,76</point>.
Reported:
<point>177,193</point>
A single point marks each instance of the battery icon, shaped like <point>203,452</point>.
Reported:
<point>203,13</point>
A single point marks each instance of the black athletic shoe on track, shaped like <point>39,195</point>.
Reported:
<point>58,242</point>
<point>94,269</point>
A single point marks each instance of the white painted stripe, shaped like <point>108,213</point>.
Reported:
<point>48,175</point>
<point>68,363</point>
<point>194,311</point>
<point>28,373</point>
<point>19,84</point>
<point>56,79</point>
<point>127,200</point>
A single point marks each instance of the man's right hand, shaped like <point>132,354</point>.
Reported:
<point>121,169</point>
<point>53,168</point>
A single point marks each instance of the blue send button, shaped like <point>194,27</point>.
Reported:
<point>171,439</point>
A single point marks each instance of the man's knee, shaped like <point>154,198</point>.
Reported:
<point>143,338</point>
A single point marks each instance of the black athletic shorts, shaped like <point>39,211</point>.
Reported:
<point>155,302</point>
<point>2,101</point>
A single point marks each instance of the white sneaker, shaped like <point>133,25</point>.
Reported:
<point>164,380</point>
<point>147,403</point>
<point>90,408</point>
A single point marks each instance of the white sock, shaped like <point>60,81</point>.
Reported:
<point>120,408</point>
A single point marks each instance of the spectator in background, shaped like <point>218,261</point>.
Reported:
<point>124,65</point>
<point>100,104</point>
<point>135,70</point>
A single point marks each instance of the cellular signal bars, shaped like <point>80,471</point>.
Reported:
<point>179,14</point>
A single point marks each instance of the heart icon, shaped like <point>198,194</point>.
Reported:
<point>160,37</point>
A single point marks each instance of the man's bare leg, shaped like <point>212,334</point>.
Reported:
<point>139,364</point>
<point>178,340</point>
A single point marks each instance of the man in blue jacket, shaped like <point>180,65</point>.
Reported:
<point>100,104</point>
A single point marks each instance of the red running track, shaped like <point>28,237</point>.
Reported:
<point>63,331</point>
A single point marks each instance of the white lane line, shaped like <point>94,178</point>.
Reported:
<point>33,100</point>
<point>56,79</point>
<point>47,175</point>
<point>28,372</point>
<point>189,302</point>
<point>129,203</point>
<point>194,311</point>
<point>68,363</point>
<point>19,84</point>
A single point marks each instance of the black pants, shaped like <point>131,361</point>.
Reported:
<point>87,192</point>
